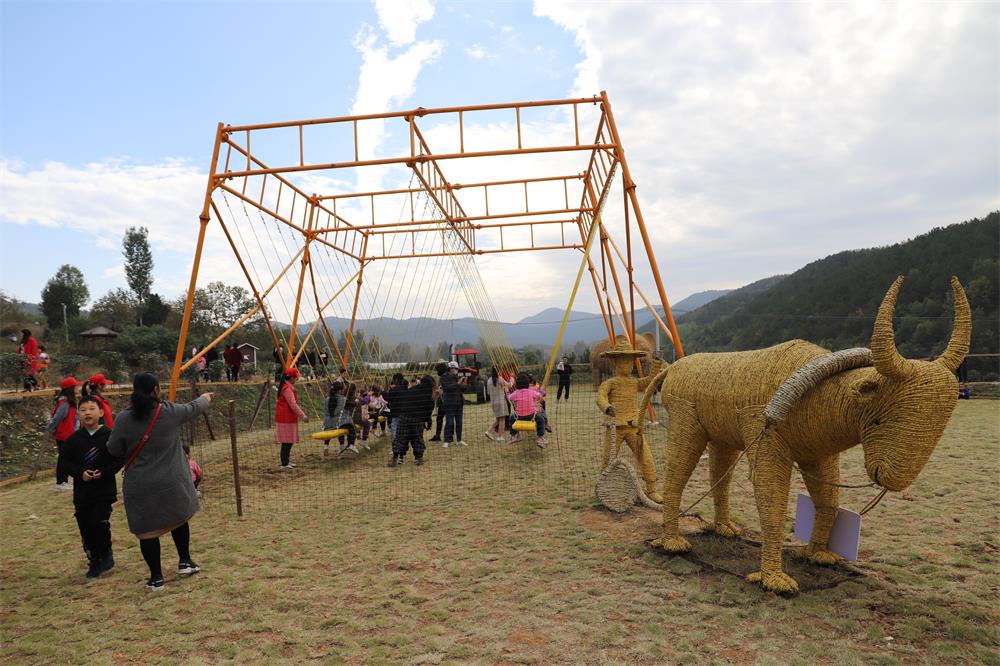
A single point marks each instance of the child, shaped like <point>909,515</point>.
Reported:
<point>525,400</point>
<point>392,397</point>
<point>377,411</point>
<point>496,391</point>
<point>86,458</point>
<point>196,473</point>
<point>361,413</point>
<point>413,409</point>
<point>62,425</point>
<point>93,387</point>
<point>345,419</point>
<point>43,368</point>
<point>287,413</point>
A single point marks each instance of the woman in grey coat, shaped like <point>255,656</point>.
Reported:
<point>157,488</point>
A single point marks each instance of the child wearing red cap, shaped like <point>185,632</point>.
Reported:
<point>62,424</point>
<point>287,413</point>
<point>92,387</point>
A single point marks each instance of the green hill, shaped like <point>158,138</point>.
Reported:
<point>833,301</point>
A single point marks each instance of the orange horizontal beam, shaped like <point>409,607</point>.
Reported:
<point>468,227</point>
<point>419,158</point>
<point>368,228</point>
<point>418,112</point>
<point>455,186</point>
<point>477,251</point>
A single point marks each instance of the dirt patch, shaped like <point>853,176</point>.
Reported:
<point>639,524</point>
<point>711,553</point>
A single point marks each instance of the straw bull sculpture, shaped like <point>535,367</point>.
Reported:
<point>796,404</point>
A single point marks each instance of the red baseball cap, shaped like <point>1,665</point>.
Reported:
<point>99,378</point>
<point>69,382</point>
<point>293,372</point>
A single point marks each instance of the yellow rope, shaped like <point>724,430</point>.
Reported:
<point>594,226</point>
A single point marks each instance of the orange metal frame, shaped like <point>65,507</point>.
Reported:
<point>235,170</point>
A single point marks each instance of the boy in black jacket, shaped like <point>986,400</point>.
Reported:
<point>93,470</point>
<point>415,407</point>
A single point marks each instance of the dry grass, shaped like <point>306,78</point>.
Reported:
<point>472,567</point>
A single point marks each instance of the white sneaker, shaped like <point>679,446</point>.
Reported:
<point>515,438</point>
<point>64,486</point>
<point>354,448</point>
<point>365,444</point>
<point>291,464</point>
<point>444,445</point>
<point>461,442</point>
<point>287,468</point>
<point>489,435</point>
<point>541,442</point>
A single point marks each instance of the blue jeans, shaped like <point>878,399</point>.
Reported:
<point>453,421</point>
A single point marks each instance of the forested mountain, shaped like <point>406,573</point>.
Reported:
<point>833,301</point>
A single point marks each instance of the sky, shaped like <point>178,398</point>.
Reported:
<point>761,136</point>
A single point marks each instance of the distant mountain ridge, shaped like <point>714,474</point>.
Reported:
<point>833,301</point>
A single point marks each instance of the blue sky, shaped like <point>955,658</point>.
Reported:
<point>762,136</point>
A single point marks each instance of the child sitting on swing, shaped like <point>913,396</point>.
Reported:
<point>525,401</point>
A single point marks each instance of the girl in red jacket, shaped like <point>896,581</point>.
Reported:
<point>93,388</point>
<point>62,425</point>
<point>287,413</point>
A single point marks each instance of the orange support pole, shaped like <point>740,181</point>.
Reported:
<point>204,218</point>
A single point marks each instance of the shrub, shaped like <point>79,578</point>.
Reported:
<point>11,368</point>
<point>152,362</point>
<point>215,371</point>
<point>68,364</point>
<point>112,364</point>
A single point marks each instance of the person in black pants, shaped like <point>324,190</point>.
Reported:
<point>441,369</point>
<point>414,413</point>
<point>563,371</point>
<point>86,458</point>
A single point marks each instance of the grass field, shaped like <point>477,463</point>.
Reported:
<point>459,562</point>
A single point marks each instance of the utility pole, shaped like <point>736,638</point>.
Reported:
<point>65,323</point>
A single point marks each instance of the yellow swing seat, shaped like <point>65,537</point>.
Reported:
<point>326,435</point>
<point>381,419</point>
<point>524,426</point>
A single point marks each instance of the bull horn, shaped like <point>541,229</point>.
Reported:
<point>808,376</point>
<point>885,358</point>
<point>961,331</point>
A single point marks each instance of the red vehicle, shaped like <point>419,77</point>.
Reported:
<point>470,370</point>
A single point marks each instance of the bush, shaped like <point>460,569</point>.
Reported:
<point>216,369</point>
<point>134,342</point>
<point>152,362</point>
<point>68,364</point>
<point>112,364</point>
<point>11,368</point>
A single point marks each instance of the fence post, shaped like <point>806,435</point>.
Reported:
<point>236,458</point>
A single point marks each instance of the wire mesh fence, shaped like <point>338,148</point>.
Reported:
<point>328,477</point>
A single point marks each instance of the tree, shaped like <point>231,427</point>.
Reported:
<point>138,265</point>
<point>156,310</point>
<point>214,308</point>
<point>67,287</point>
<point>114,309</point>
<point>10,310</point>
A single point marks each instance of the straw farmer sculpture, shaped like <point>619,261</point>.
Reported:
<point>617,398</point>
<point>797,404</point>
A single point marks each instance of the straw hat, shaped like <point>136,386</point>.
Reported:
<point>623,348</point>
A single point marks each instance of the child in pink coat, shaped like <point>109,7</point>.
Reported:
<point>525,401</point>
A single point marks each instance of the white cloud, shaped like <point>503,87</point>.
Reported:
<point>476,52</point>
<point>400,18</point>
<point>765,136</point>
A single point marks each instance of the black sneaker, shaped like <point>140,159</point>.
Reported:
<point>155,584</point>
<point>107,562</point>
<point>187,568</point>
<point>418,461</point>
<point>94,570</point>
<point>435,438</point>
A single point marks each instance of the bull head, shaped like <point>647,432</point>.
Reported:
<point>904,405</point>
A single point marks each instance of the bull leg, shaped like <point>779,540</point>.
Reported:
<point>686,440</point>
<point>771,479</point>
<point>820,478</point>
<point>721,459</point>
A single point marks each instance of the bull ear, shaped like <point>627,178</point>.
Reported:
<point>864,388</point>
<point>961,331</point>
